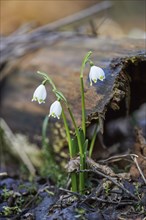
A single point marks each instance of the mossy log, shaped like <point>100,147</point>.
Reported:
<point>121,60</point>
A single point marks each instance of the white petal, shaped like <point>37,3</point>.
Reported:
<point>55,109</point>
<point>53,106</point>
<point>40,94</point>
<point>95,74</point>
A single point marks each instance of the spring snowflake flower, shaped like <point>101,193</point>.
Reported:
<point>40,94</point>
<point>95,74</point>
<point>55,110</point>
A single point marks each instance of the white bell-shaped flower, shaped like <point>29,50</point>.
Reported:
<point>95,74</point>
<point>55,109</point>
<point>40,94</point>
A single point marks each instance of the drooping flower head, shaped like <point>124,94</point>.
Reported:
<point>40,94</point>
<point>55,109</point>
<point>95,74</point>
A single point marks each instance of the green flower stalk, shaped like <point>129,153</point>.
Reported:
<point>57,110</point>
<point>93,140</point>
<point>85,60</point>
<point>73,175</point>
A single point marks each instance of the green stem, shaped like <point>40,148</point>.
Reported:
<point>76,130</point>
<point>67,133</point>
<point>61,96</point>
<point>46,77</point>
<point>93,140</point>
<point>83,106</point>
<point>73,175</point>
<point>82,161</point>
<point>82,174</point>
<point>85,60</point>
<point>74,186</point>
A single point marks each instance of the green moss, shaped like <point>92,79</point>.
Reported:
<point>6,193</point>
<point>7,211</point>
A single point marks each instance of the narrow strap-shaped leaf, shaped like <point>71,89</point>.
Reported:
<point>74,145</point>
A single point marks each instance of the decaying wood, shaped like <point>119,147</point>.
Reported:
<point>62,63</point>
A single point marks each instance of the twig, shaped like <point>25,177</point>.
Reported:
<point>139,169</point>
<point>20,42</point>
<point>93,28</point>
<point>117,157</point>
<point>64,190</point>
<point>76,19</point>
<point>3,174</point>
<point>17,147</point>
<point>112,180</point>
<point>111,202</point>
<point>85,198</point>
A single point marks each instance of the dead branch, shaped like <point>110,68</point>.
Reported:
<point>77,18</point>
<point>117,158</point>
<point>17,147</point>
<point>3,174</point>
<point>139,169</point>
<point>24,39</point>
<point>111,179</point>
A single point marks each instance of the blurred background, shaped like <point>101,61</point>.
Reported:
<point>125,17</point>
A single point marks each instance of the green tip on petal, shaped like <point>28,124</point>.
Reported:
<point>101,77</point>
<point>34,99</point>
<point>40,101</point>
<point>95,80</point>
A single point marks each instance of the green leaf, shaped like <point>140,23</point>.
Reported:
<point>74,146</point>
<point>82,137</point>
<point>44,130</point>
<point>85,146</point>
